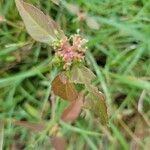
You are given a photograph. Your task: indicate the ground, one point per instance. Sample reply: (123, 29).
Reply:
(118, 34)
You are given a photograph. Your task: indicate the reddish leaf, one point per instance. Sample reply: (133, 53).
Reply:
(72, 112)
(61, 87)
(58, 143)
(96, 102)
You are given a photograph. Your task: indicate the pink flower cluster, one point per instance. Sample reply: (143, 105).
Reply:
(74, 52)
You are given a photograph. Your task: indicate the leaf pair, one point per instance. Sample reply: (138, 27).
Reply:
(41, 27)
(66, 90)
(94, 99)
(64, 87)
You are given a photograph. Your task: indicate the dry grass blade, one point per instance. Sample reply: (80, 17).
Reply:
(35, 127)
(56, 2)
(92, 23)
(1, 135)
(72, 8)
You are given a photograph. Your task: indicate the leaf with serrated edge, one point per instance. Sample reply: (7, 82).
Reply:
(41, 27)
(63, 88)
(95, 100)
(82, 75)
(72, 112)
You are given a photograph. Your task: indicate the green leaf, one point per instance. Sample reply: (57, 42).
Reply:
(95, 100)
(72, 112)
(41, 27)
(82, 75)
(63, 88)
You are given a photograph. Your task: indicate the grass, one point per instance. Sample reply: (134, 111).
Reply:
(118, 53)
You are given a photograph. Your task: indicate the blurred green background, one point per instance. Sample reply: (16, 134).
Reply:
(118, 52)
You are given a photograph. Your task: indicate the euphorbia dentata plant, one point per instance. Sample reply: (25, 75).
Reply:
(69, 55)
